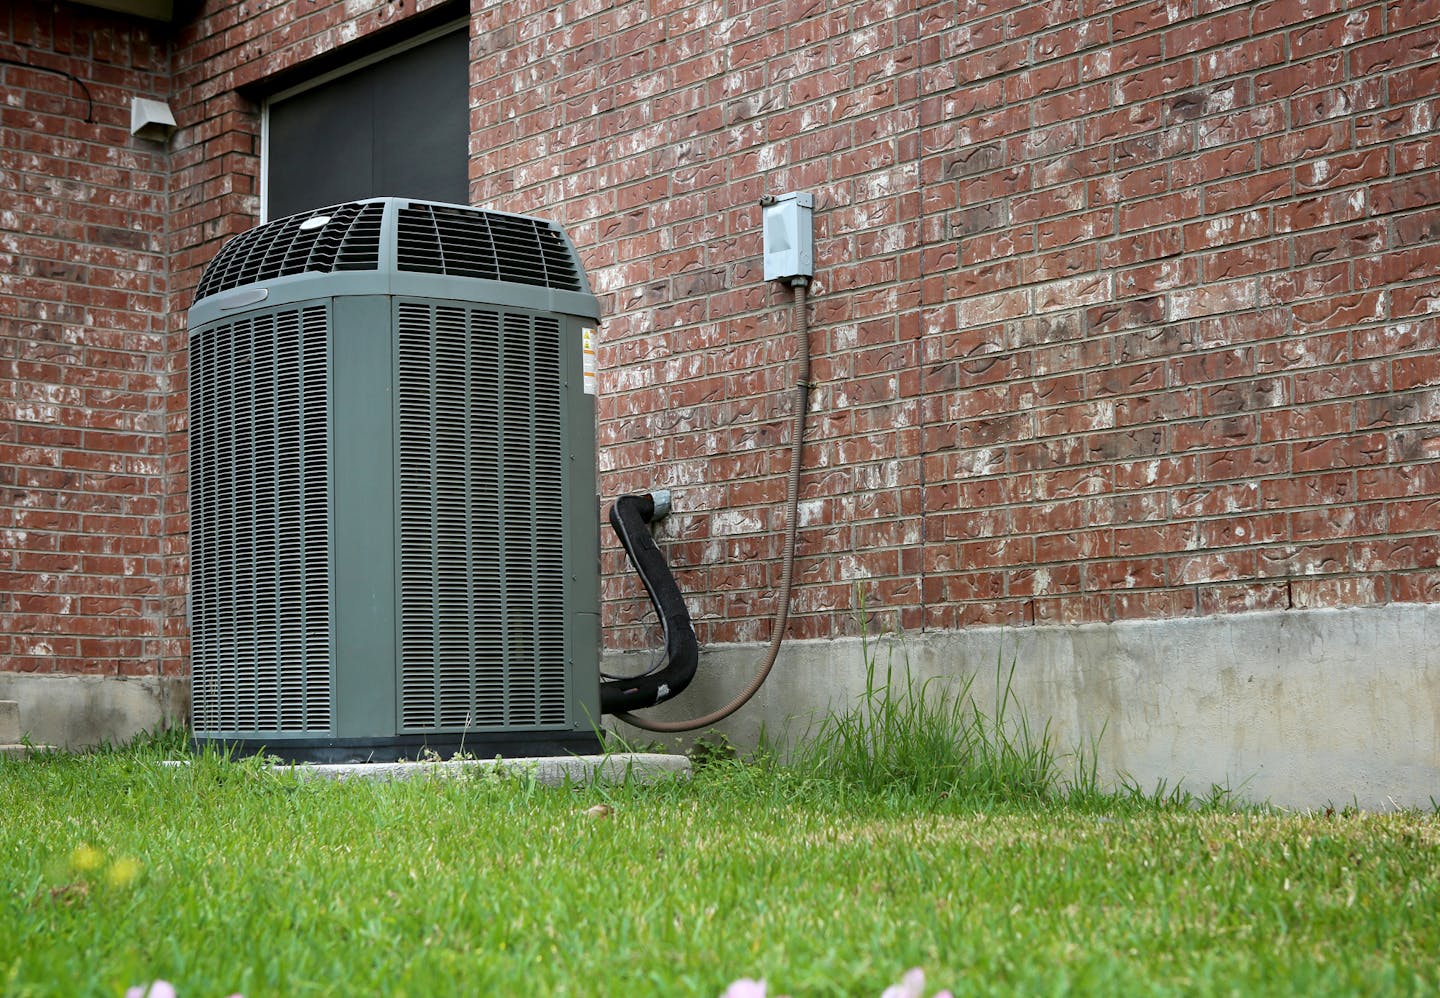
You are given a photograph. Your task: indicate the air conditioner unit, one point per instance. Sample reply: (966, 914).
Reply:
(393, 520)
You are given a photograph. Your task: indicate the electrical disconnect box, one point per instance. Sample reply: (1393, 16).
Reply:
(789, 243)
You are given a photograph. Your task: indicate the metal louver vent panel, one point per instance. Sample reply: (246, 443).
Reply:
(435, 239)
(260, 510)
(482, 567)
(349, 241)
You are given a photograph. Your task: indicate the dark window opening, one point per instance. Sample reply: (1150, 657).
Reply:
(399, 126)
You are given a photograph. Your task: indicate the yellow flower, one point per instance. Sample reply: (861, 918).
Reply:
(86, 858)
(122, 872)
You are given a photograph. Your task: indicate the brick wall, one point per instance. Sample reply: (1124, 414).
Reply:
(1122, 309)
(83, 216)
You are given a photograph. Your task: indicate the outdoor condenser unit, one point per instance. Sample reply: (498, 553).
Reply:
(393, 521)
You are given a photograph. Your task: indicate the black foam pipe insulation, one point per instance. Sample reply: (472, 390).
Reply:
(630, 517)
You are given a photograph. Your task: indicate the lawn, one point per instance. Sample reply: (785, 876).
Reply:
(223, 877)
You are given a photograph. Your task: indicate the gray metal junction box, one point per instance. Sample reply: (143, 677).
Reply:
(394, 534)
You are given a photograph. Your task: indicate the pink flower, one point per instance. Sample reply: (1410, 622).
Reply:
(743, 988)
(160, 989)
(912, 985)
(156, 989)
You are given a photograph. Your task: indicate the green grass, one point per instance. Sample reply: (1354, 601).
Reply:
(934, 738)
(222, 877)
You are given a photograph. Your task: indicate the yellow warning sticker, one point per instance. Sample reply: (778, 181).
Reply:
(587, 358)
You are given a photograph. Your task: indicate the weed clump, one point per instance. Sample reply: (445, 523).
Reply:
(933, 739)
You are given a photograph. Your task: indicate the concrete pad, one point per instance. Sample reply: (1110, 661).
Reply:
(642, 767)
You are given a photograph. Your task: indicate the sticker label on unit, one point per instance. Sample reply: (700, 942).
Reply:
(587, 358)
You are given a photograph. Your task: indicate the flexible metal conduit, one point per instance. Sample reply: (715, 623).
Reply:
(801, 325)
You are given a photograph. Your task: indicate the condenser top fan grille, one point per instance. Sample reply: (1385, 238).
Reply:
(435, 239)
(416, 237)
(347, 239)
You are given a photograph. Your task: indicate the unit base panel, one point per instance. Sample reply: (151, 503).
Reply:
(400, 748)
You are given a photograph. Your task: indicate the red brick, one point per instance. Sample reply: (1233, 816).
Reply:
(1345, 591)
(1416, 300)
(1146, 18)
(1134, 542)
